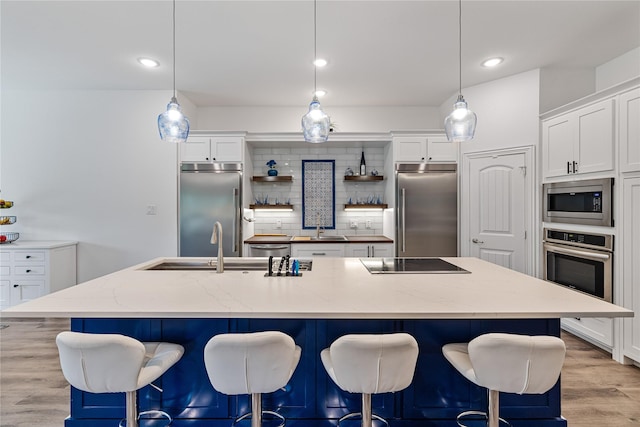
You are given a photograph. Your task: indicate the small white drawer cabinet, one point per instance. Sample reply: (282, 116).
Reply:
(30, 269)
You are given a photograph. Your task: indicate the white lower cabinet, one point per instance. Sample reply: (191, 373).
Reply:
(369, 250)
(310, 250)
(596, 330)
(32, 269)
(630, 266)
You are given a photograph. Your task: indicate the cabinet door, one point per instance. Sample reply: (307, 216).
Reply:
(595, 138)
(440, 149)
(557, 146)
(196, 149)
(630, 131)
(358, 250)
(26, 290)
(5, 294)
(226, 149)
(410, 148)
(630, 267)
(382, 250)
(596, 329)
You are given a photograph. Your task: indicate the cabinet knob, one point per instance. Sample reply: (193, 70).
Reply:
(28, 256)
(28, 271)
(15, 286)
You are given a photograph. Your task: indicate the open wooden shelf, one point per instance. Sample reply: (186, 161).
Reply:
(363, 178)
(366, 206)
(266, 207)
(277, 178)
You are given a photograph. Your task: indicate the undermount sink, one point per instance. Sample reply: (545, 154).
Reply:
(231, 264)
(330, 238)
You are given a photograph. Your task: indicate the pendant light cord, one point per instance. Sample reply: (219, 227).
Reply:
(460, 47)
(174, 48)
(315, 48)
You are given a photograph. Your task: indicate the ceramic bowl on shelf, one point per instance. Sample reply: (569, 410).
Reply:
(8, 237)
(7, 220)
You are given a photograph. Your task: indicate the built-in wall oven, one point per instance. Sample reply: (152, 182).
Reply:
(588, 202)
(580, 261)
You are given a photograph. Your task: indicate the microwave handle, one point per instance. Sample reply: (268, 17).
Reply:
(568, 251)
(568, 168)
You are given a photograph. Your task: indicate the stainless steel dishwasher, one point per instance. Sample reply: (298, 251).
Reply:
(269, 249)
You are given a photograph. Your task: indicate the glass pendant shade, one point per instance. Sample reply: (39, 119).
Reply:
(460, 125)
(315, 124)
(172, 124)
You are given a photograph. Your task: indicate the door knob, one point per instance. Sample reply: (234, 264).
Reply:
(477, 241)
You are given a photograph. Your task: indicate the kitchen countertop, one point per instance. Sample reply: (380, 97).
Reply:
(291, 239)
(37, 244)
(336, 288)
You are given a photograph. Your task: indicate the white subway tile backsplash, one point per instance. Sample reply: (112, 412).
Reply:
(289, 162)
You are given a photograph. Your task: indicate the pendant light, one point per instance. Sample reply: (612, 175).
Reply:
(315, 124)
(172, 124)
(460, 125)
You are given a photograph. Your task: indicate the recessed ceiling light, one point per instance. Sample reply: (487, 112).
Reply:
(492, 62)
(148, 62)
(320, 62)
(320, 93)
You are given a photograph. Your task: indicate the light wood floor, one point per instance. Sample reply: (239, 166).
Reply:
(596, 391)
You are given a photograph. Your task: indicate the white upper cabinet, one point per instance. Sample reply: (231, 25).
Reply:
(201, 148)
(630, 131)
(424, 148)
(580, 141)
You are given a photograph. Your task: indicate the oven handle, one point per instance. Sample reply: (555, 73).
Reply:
(583, 254)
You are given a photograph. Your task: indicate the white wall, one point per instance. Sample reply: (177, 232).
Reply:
(84, 165)
(559, 86)
(347, 119)
(507, 111)
(618, 70)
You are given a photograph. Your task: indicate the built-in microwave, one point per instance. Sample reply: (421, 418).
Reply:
(580, 261)
(588, 202)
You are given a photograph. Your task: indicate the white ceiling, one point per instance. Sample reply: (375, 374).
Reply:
(240, 52)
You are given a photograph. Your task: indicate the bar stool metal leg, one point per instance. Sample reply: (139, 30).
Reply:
(256, 408)
(367, 415)
(492, 415)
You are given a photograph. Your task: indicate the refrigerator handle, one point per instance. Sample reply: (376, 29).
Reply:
(236, 220)
(403, 204)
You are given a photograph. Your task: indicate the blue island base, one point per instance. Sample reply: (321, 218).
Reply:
(437, 394)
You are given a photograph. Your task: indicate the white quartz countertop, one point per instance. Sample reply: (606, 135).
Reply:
(37, 244)
(336, 288)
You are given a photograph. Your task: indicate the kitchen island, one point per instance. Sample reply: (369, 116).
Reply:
(338, 296)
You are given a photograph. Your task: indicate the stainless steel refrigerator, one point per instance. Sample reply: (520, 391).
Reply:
(209, 192)
(426, 210)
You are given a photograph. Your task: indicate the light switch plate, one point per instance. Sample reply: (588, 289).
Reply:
(354, 223)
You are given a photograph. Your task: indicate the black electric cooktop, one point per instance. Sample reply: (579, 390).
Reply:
(410, 265)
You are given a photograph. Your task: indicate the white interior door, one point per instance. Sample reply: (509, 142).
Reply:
(498, 208)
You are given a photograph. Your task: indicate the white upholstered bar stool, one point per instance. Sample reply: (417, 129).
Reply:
(113, 363)
(251, 363)
(371, 364)
(507, 363)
